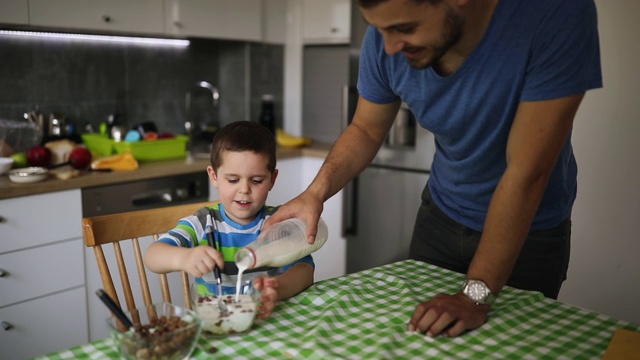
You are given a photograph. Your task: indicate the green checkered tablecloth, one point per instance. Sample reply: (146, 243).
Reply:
(364, 316)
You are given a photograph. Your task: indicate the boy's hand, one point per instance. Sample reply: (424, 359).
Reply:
(200, 260)
(268, 287)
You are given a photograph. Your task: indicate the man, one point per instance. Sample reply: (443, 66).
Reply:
(498, 83)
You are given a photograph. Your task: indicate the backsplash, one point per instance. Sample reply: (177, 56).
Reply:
(86, 82)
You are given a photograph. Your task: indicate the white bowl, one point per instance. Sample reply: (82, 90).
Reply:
(28, 174)
(5, 164)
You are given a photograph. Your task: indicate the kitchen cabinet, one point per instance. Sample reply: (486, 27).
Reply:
(223, 19)
(42, 282)
(326, 21)
(117, 16)
(14, 12)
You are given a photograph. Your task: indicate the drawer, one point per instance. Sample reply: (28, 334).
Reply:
(44, 325)
(41, 271)
(40, 219)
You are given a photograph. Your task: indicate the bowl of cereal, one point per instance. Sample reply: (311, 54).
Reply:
(160, 331)
(241, 307)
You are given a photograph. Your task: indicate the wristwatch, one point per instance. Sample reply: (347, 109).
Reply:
(478, 292)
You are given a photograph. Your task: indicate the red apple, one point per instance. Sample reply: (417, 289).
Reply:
(39, 156)
(80, 158)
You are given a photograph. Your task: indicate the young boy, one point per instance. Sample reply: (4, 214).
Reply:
(243, 169)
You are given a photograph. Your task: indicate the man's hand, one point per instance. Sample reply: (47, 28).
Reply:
(305, 207)
(449, 315)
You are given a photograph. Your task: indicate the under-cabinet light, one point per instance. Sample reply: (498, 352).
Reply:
(99, 38)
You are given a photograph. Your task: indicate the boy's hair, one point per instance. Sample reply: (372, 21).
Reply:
(244, 136)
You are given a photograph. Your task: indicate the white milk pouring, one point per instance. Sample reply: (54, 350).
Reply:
(282, 244)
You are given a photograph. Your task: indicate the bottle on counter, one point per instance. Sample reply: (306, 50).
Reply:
(267, 117)
(282, 244)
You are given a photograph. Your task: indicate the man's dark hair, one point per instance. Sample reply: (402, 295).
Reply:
(368, 4)
(244, 136)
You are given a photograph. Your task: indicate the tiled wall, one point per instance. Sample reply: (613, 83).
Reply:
(87, 81)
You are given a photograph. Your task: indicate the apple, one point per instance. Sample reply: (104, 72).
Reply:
(80, 158)
(20, 160)
(39, 156)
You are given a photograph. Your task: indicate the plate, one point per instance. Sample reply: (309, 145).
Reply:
(28, 175)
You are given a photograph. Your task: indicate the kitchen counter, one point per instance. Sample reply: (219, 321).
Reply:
(149, 170)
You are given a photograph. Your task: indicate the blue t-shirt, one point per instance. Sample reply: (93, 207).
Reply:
(532, 50)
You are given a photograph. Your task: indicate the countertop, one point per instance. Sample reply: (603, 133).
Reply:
(149, 170)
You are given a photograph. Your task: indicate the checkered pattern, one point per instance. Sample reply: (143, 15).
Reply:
(364, 316)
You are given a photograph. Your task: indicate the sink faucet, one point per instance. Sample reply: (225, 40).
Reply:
(215, 95)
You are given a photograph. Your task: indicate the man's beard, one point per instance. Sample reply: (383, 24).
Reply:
(452, 33)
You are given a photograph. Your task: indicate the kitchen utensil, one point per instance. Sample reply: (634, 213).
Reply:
(216, 270)
(115, 309)
(118, 132)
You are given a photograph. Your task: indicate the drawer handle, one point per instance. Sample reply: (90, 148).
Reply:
(3, 273)
(2, 219)
(6, 325)
(106, 18)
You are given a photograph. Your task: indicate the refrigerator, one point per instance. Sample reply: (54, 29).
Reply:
(381, 204)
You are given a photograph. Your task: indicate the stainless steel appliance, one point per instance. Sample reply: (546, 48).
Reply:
(382, 202)
(145, 194)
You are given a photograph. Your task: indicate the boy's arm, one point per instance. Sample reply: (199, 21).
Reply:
(162, 258)
(295, 280)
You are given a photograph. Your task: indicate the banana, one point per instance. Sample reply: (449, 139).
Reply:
(286, 140)
(121, 162)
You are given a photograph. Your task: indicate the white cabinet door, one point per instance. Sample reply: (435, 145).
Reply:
(44, 325)
(42, 270)
(37, 220)
(140, 16)
(326, 21)
(222, 19)
(14, 12)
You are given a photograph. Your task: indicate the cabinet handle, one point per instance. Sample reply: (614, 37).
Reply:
(3, 273)
(106, 18)
(2, 219)
(334, 30)
(177, 24)
(6, 325)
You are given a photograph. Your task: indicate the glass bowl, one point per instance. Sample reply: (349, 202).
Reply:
(240, 315)
(161, 331)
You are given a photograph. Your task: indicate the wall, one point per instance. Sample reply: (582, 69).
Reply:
(88, 81)
(604, 270)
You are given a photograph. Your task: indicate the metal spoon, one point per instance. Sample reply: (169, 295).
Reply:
(216, 270)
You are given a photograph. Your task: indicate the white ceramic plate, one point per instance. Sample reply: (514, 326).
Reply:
(28, 175)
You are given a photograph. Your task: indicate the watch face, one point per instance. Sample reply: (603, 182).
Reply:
(477, 292)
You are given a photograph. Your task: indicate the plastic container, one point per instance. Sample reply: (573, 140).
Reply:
(101, 145)
(282, 244)
(161, 149)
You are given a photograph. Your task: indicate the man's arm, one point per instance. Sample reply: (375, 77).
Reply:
(538, 133)
(352, 152)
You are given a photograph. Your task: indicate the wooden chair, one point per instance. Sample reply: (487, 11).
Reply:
(119, 229)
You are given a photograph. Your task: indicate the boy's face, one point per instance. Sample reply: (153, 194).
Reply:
(243, 182)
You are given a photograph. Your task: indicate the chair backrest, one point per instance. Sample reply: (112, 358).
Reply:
(128, 227)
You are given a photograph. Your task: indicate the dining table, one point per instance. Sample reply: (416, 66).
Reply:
(364, 315)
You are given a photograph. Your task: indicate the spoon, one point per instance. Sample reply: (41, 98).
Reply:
(115, 309)
(216, 270)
